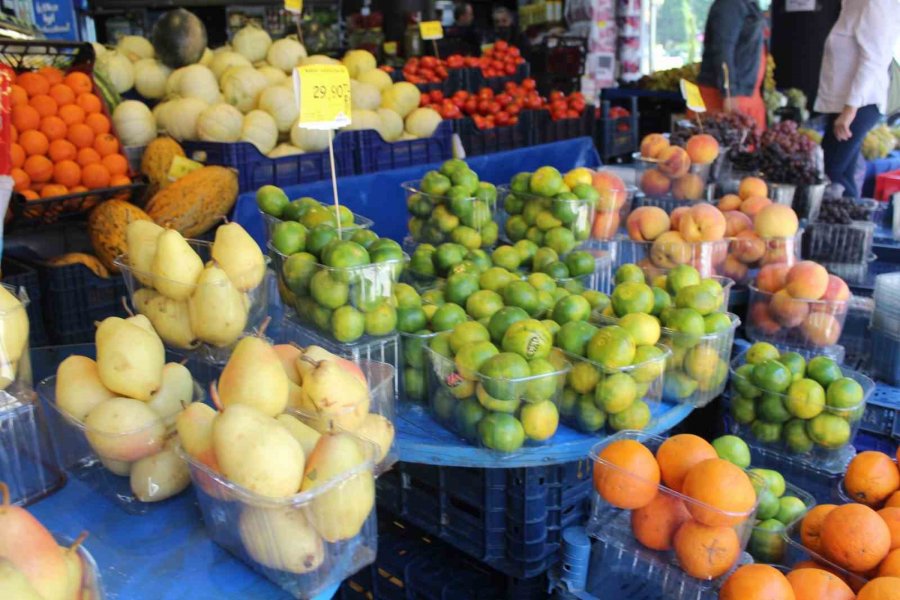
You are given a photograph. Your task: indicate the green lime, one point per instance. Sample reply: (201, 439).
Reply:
(795, 362)
(467, 414)
(574, 336)
(516, 228)
(632, 297)
(568, 210)
(542, 282)
(697, 297)
(567, 401)
(528, 338)
(742, 382)
(460, 286)
(435, 183)
(636, 416)
(298, 271)
(466, 179)
(791, 508)
(421, 263)
(585, 191)
(545, 221)
(588, 417)
(503, 374)
(771, 376)
(681, 277)
(677, 386)
(483, 304)
(289, 237)
(520, 183)
(583, 377)
(414, 348)
(542, 383)
(468, 332)
(844, 393)
(364, 237)
(347, 324)
(480, 219)
(571, 308)
(824, 370)
(629, 272)
(761, 351)
(271, 200)
(414, 383)
(328, 291)
(716, 322)
(433, 296)
(487, 193)
(597, 300)
(661, 300)
(343, 215)
(542, 257)
(546, 181)
(513, 204)
(733, 449)
(767, 543)
(381, 320)
(643, 328)
(768, 433)
(540, 420)
(446, 317)
(795, 436)
(497, 405)
(557, 270)
(466, 236)
(561, 240)
(526, 250)
(743, 410)
(507, 257)
(443, 405)
(772, 409)
(828, 430)
(612, 347)
(523, 295)
(649, 363)
(616, 393)
(805, 398)
(446, 256)
(470, 357)
(406, 296)
(453, 165)
(502, 319)
(440, 343)
(774, 481)
(580, 263)
(318, 215)
(411, 320)
(768, 504)
(502, 432)
(321, 316)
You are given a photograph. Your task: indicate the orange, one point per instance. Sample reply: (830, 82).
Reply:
(757, 582)
(44, 104)
(54, 189)
(25, 117)
(89, 102)
(628, 476)
(891, 516)
(21, 180)
(62, 150)
(881, 588)
(706, 552)
(33, 83)
(13, 133)
(116, 164)
(678, 454)
(17, 154)
(81, 135)
(119, 180)
(871, 477)
(34, 142)
(818, 584)
(67, 172)
(98, 122)
(17, 95)
(39, 168)
(30, 194)
(811, 527)
(106, 144)
(723, 492)
(51, 74)
(87, 156)
(78, 189)
(95, 176)
(79, 82)
(71, 114)
(893, 500)
(62, 93)
(54, 128)
(854, 537)
(890, 566)
(655, 525)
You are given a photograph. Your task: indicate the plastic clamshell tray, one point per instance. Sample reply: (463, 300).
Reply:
(359, 223)
(782, 320)
(667, 252)
(468, 220)
(548, 214)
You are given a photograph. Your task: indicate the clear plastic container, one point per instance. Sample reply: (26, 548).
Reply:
(528, 216)
(767, 546)
(304, 543)
(621, 389)
(611, 212)
(91, 583)
(516, 406)
(844, 497)
(821, 436)
(359, 222)
(795, 552)
(171, 318)
(15, 354)
(669, 251)
(107, 462)
(746, 255)
(782, 193)
(347, 303)
(780, 319)
(437, 219)
(727, 284)
(655, 182)
(839, 243)
(612, 524)
(413, 378)
(885, 357)
(28, 463)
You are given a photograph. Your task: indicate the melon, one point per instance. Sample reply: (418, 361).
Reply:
(422, 122)
(376, 77)
(402, 97)
(364, 119)
(179, 38)
(391, 125)
(309, 140)
(364, 96)
(358, 62)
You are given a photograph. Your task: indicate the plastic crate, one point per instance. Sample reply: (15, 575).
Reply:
(19, 274)
(547, 130)
(885, 360)
(882, 416)
(477, 141)
(616, 136)
(510, 519)
(373, 154)
(839, 243)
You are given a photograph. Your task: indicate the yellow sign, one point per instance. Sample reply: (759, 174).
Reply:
(323, 96)
(692, 97)
(181, 166)
(390, 48)
(431, 30)
(294, 6)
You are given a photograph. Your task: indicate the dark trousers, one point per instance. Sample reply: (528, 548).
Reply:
(840, 157)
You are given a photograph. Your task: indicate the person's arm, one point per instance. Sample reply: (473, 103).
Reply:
(727, 19)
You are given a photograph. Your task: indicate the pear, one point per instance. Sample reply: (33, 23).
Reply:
(169, 317)
(254, 376)
(13, 336)
(175, 392)
(129, 358)
(336, 396)
(256, 452)
(281, 538)
(29, 547)
(318, 353)
(14, 584)
(288, 354)
(239, 255)
(303, 433)
(117, 467)
(143, 322)
(78, 387)
(141, 238)
(76, 571)
(175, 267)
(195, 431)
(217, 312)
(124, 429)
(160, 476)
(378, 430)
(339, 512)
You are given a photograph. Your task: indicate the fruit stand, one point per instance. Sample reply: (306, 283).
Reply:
(442, 352)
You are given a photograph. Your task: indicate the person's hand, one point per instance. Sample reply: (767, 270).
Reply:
(729, 105)
(842, 123)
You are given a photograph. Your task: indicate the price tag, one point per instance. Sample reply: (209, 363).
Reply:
(181, 166)
(431, 30)
(692, 97)
(323, 96)
(390, 48)
(294, 6)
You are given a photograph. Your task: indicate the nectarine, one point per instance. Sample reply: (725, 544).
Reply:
(735, 269)
(689, 187)
(674, 162)
(747, 247)
(729, 202)
(837, 290)
(807, 280)
(702, 148)
(653, 144)
(821, 329)
(752, 186)
(760, 319)
(654, 183)
(786, 310)
(670, 250)
(754, 204)
(736, 222)
(676, 216)
(647, 223)
(605, 225)
(702, 223)
(611, 188)
(776, 221)
(772, 278)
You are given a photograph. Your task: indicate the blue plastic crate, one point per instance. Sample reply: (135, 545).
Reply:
(74, 299)
(19, 274)
(547, 130)
(885, 357)
(617, 136)
(510, 519)
(373, 154)
(882, 416)
(255, 169)
(477, 141)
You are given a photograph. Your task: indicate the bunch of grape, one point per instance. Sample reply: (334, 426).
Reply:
(781, 153)
(731, 130)
(842, 211)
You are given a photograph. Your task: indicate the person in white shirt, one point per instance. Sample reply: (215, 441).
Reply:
(854, 81)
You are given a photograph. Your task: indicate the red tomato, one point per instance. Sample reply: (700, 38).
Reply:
(509, 69)
(577, 106)
(471, 106)
(510, 87)
(529, 84)
(504, 98)
(436, 95)
(501, 45)
(450, 111)
(557, 95)
(502, 118)
(572, 114)
(533, 102)
(513, 51)
(485, 93)
(441, 72)
(513, 109)
(514, 120)
(484, 107)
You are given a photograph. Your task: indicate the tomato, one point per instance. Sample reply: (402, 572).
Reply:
(485, 93)
(514, 120)
(441, 72)
(484, 107)
(479, 121)
(513, 51)
(455, 61)
(557, 95)
(501, 45)
(436, 95)
(533, 102)
(503, 98)
(471, 106)
(493, 108)
(510, 87)
(502, 118)
(513, 109)
(429, 62)
(577, 106)
(450, 111)
(509, 69)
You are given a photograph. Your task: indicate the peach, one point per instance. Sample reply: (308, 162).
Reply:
(653, 144)
(760, 319)
(605, 225)
(702, 148)
(821, 329)
(747, 247)
(776, 221)
(754, 204)
(807, 280)
(780, 250)
(654, 183)
(670, 250)
(611, 189)
(772, 278)
(736, 222)
(689, 187)
(702, 223)
(788, 311)
(752, 186)
(677, 215)
(735, 269)
(729, 202)
(836, 290)
(674, 162)
(647, 223)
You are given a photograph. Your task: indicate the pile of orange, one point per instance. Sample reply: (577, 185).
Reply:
(61, 140)
(764, 582)
(704, 533)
